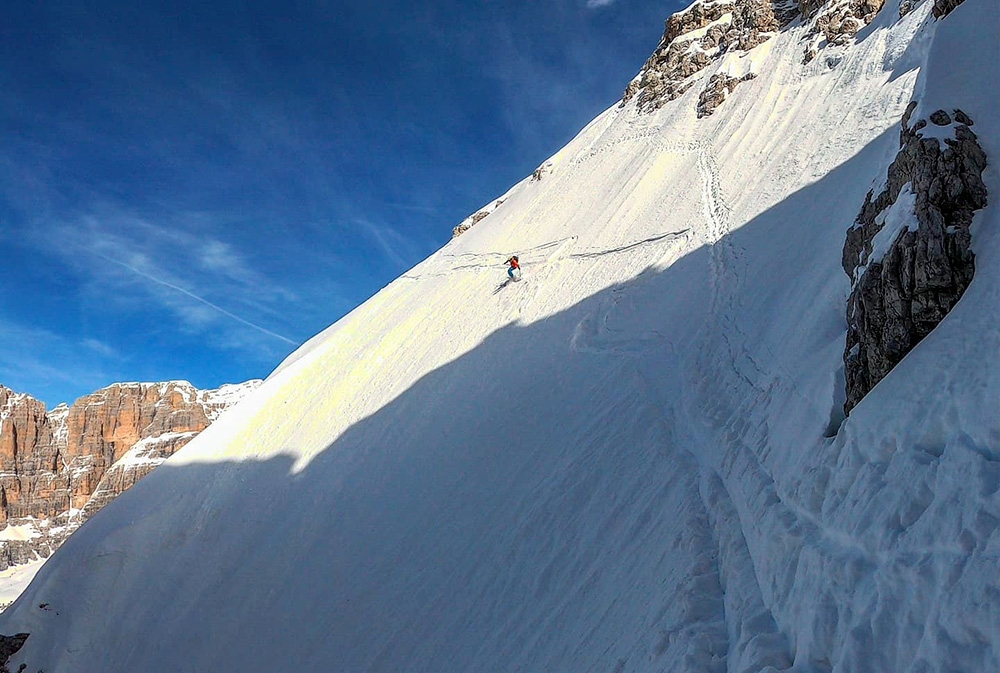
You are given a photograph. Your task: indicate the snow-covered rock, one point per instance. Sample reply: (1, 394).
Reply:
(837, 23)
(909, 252)
(720, 85)
(475, 218)
(699, 36)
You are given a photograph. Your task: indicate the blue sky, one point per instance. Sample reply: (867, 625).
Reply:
(190, 190)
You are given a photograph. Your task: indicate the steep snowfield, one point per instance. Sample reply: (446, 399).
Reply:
(14, 579)
(633, 460)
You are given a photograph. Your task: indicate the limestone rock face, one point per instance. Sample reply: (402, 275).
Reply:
(697, 37)
(10, 645)
(59, 468)
(943, 8)
(30, 444)
(541, 171)
(837, 22)
(907, 6)
(909, 252)
(476, 218)
(701, 35)
(756, 21)
(719, 87)
(690, 43)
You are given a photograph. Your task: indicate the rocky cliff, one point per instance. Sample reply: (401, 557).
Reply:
(58, 468)
(475, 218)
(696, 38)
(909, 252)
(702, 35)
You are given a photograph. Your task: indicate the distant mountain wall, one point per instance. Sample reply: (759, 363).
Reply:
(59, 467)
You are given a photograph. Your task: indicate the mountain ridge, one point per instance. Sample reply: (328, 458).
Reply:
(59, 467)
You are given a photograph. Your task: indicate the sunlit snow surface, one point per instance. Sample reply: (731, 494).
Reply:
(633, 459)
(14, 579)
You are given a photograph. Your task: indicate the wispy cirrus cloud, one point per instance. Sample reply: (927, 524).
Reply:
(201, 300)
(100, 348)
(396, 247)
(412, 207)
(204, 282)
(594, 4)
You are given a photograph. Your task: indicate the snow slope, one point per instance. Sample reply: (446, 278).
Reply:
(633, 460)
(14, 579)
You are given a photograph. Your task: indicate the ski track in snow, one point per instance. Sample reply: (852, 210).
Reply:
(594, 334)
(727, 391)
(538, 256)
(738, 618)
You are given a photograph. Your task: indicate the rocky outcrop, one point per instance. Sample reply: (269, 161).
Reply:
(689, 44)
(906, 6)
(837, 22)
(697, 37)
(541, 171)
(468, 223)
(756, 21)
(702, 34)
(719, 87)
(943, 8)
(58, 468)
(909, 252)
(475, 218)
(9, 646)
(31, 444)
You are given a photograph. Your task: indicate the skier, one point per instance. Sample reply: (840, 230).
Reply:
(514, 270)
(513, 273)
